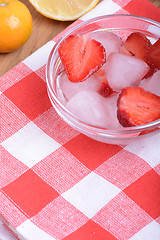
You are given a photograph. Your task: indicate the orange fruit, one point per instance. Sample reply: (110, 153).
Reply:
(15, 25)
(63, 10)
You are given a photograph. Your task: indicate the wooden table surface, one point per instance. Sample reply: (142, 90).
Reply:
(44, 29)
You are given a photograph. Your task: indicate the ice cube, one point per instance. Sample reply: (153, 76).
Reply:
(152, 84)
(89, 106)
(110, 41)
(69, 89)
(111, 108)
(144, 83)
(92, 108)
(124, 71)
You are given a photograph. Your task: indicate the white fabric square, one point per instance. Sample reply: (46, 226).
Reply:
(30, 231)
(103, 8)
(91, 194)
(149, 232)
(39, 58)
(30, 145)
(147, 149)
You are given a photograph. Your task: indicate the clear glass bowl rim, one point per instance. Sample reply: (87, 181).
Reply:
(98, 129)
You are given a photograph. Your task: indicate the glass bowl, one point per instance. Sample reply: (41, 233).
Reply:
(122, 24)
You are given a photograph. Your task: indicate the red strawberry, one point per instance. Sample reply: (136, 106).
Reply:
(154, 54)
(137, 106)
(105, 90)
(137, 44)
(151, 71)
(81, 57)
(149, 131)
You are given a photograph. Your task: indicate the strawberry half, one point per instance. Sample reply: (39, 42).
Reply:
(105, 90)
(137, 44)
(81, 57)
(137, 106)
(154, 54)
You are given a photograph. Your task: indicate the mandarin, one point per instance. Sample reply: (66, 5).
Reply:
(15, 25)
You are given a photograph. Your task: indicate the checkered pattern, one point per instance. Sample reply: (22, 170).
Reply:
(56, 183)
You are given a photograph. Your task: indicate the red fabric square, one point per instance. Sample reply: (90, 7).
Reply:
(90, 152)
(30, 95)
(61, 170)
(10, 168)
(144, 9)
(14, 75)
(55, 127)
(146, 193)
(122, 217)
(12, 119)
(90, 230)
(59, 218)
(123, 169)
(10, 212)
(30, 193)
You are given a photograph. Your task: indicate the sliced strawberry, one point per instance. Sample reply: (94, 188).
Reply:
(137, 106)
(81, 57)
(154, 54)
(151, 71)
(137, 44)
(149, 131)
(105, 90)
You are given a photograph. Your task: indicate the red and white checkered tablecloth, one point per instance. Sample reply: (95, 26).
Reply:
(56, 183)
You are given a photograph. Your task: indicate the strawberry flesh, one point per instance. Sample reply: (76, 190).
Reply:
(137, 44)
(154, 54)
(105, 90)
(81, 57)
(151, 71)
(137, 106)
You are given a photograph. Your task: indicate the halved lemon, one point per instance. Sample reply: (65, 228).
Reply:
(63, 10)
